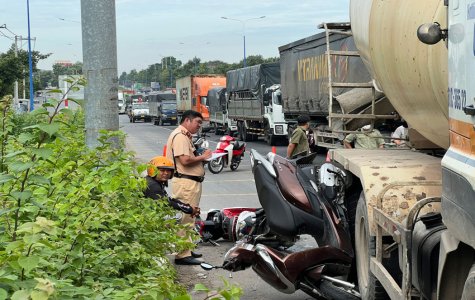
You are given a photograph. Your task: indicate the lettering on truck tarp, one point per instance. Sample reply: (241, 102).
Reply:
(316, 67)
(457, 98)
(312, 68)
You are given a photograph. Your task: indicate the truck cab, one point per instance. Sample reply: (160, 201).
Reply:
(167, 113)
(273, 112)
(139, 111)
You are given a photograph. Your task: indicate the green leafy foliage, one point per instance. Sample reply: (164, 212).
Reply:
(73, 221)
(227, 292)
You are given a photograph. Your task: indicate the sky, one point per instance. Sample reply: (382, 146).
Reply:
(148, 30)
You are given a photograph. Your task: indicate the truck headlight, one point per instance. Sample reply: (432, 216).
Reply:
(279, 129)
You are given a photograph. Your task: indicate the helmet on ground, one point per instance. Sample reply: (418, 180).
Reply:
(159, 162)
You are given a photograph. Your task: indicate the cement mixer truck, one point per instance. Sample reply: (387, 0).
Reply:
(414, 213)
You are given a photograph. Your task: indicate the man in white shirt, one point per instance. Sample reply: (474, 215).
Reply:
(400, 135)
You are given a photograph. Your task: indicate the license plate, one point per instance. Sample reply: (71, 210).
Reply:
(143, 116)
(173, 118)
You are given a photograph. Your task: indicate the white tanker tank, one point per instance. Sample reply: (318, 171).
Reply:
(411, 74)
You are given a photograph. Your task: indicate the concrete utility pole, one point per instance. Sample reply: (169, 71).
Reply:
(15, 93)
(99, 46)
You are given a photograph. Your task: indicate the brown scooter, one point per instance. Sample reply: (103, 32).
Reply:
(300, 198)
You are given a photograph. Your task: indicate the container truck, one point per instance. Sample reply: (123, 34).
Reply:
(255, 102)
(322, 86)
(191, 93)
(159, 112)
(414, 213)
(218, 112)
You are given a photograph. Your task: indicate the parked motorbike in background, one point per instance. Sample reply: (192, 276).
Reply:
(298, 197)
(231, 152)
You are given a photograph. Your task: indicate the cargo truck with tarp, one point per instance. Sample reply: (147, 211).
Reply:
(255, 102)
(324, 77)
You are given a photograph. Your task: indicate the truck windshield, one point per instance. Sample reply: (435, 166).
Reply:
(139, 105)
(137, 98)
(168, 106)
(278, 99)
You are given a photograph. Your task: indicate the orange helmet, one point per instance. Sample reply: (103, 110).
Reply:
(159, 162)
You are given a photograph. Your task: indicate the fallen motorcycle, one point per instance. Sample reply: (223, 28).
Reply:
(238, 224)
(298, 198)
(230, 153)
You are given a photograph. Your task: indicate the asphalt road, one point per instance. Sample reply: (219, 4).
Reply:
(226, 189)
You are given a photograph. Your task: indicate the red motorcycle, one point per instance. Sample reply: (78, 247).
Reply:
(230, 153)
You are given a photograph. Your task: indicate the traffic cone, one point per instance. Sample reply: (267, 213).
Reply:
(165, 150)
(273, 149)
(328, 159)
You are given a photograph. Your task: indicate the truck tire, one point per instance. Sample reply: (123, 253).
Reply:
(245, 136)
(240, 126)
(365, 245)
(268, 136)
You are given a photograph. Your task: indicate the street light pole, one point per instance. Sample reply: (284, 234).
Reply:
(30, 60)
(243, 22)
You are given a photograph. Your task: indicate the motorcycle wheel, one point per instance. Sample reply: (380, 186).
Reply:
(216, 165)
(365, 246)
(235, 164)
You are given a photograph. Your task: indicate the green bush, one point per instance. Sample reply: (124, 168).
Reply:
(73, 221)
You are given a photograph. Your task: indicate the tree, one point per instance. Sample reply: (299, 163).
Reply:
(14, 68)
(170, 69)
(45, 78)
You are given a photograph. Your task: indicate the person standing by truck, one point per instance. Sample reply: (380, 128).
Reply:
(399, 136)
(298, 144)
(189, 172)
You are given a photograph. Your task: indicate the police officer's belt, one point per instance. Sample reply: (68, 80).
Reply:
(195, 178)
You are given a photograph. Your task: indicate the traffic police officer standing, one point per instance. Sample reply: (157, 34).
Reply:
(189, 173)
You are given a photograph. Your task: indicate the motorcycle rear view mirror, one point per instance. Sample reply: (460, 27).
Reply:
(209, 267)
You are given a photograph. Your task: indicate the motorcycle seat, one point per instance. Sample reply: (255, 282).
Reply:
(290, 186)
(238, 146)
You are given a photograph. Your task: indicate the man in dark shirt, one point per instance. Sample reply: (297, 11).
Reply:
(158, 174)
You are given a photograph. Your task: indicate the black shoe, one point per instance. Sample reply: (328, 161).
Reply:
(196, 254)
(189, 260)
